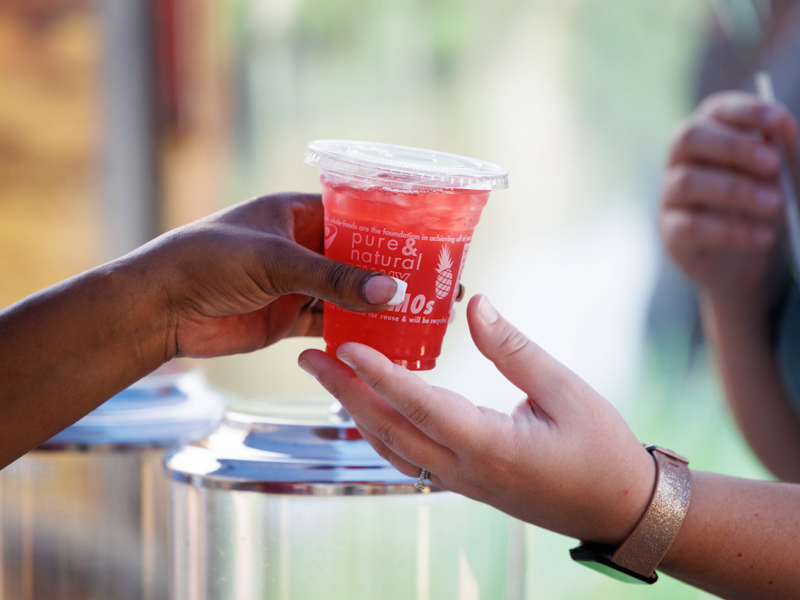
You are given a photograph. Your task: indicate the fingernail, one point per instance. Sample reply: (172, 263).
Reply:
(384, 290)
(766, 158)
(767, 197)
(487, 312)
(763, 236)
(346, 359)
(306, 366)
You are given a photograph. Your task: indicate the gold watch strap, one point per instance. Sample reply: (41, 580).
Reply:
(650, 540)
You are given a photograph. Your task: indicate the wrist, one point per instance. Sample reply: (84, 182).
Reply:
(636, 494)
(637, 557)
(149, 314)
(734, 305)
(754, 299)
(728, 318)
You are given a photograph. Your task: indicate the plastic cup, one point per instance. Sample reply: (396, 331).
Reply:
(408, 213)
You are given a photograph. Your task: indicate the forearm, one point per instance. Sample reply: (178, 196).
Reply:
(70, 347)
(739, 539)
(749, 369)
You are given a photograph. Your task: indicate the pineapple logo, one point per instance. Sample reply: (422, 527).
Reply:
(444, 281)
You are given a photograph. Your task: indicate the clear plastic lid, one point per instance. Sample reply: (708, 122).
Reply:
(379, 164)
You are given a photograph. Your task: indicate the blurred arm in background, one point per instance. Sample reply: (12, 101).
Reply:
(743, 37)
(236, 281)
(721, 220)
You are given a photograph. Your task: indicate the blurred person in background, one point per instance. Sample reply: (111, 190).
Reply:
(722, 222)
(565, 459)
(744, 37)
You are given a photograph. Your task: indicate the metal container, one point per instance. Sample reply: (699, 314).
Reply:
(299, 506)
(86, 515)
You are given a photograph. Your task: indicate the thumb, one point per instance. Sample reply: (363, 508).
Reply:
(546, 381)
(293, 269)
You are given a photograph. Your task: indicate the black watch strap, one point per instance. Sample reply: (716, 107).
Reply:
(598, 558)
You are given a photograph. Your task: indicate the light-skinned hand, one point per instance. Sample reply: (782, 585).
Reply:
(564, 459)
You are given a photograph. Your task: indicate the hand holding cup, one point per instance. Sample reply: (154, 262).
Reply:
(564, 459)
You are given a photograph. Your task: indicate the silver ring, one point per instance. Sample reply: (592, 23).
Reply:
(424, 474)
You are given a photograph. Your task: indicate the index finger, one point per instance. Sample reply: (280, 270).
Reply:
(748, 111)
(444, 416)
(376, 416)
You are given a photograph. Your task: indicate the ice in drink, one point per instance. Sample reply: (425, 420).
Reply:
(407, 213)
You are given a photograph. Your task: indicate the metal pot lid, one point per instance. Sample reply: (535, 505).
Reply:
(169, 406)
(295, 446)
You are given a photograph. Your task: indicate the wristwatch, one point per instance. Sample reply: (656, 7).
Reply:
(635, 561)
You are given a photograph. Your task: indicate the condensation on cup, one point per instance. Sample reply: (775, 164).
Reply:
(408, 213)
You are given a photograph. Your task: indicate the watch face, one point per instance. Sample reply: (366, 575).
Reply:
(598, 558)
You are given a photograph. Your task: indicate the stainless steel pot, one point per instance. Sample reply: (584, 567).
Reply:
(294, 504)
(86, 515)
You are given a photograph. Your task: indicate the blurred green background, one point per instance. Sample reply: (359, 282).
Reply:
(577, 98)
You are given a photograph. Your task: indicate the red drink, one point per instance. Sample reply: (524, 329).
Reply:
(420, 237)
(400, 223)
